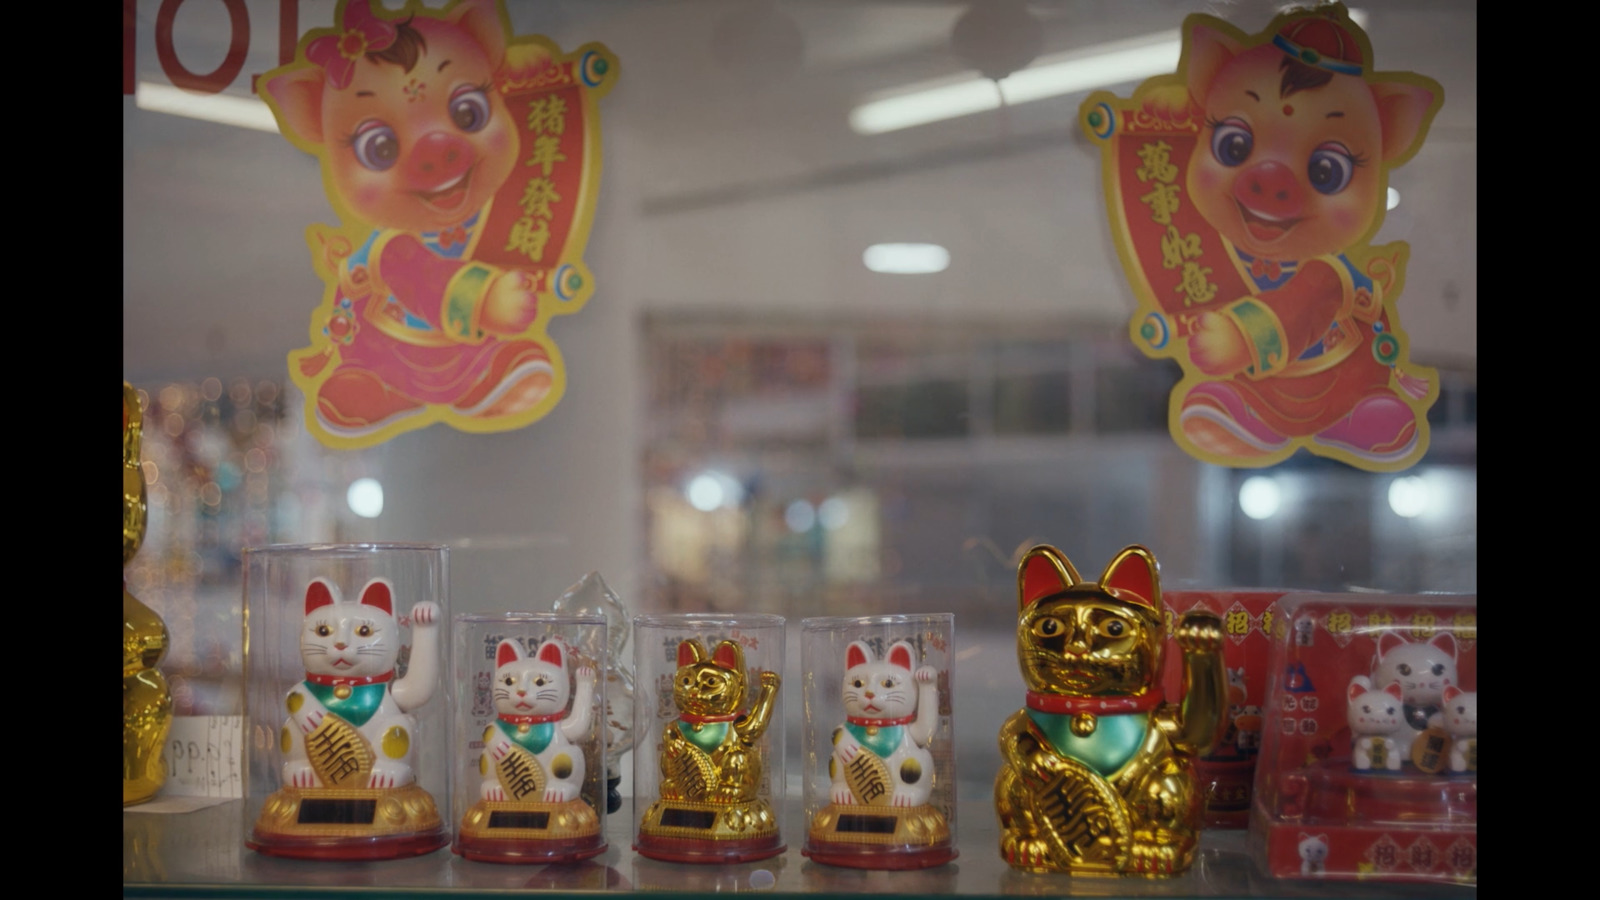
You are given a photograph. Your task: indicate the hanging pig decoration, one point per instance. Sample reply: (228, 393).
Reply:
(1242, 193)
(464, 166)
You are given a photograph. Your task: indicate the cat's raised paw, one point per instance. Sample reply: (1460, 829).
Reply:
(424, 613)
(1200, 630)
(927, 675)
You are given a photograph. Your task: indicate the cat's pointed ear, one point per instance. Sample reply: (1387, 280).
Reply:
(320, 592)
(553, 653)
(690, 652)
(1445, 641)
(1394, 690)
(1356, 689)
(729, 656)
(379, 593)
(1451, 692)
(858, 654)
(508, 652)
(1042, 572)
(901, 655)
(1388, 641)
(1134, 577)
(1304, 836)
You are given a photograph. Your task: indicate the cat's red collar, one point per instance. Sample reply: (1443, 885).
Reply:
(344, 679)
(531, 720)
(693, 719)
(880, 723)
(1100, 706)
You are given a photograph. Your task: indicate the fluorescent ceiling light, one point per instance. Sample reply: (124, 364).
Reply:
(1072, 72)
(906, 259)
(245, 112)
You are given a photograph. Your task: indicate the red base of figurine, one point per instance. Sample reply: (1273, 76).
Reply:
(867, 856)
(546, 851)
(1227, 785)
(693, 850)
(396, 846)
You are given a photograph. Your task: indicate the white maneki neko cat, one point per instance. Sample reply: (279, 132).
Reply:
(530, 702)
(349, 649)
(891, 714)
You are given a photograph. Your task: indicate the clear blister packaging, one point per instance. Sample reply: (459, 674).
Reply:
(347, 755)
(1368, 766)
(529, 737)
(708, 776)
(878, 743)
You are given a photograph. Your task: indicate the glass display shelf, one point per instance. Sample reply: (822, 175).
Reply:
(202, 854)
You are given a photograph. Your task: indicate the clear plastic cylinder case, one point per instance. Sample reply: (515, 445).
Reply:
(708, 776)
(345, 699)
(878, 747)
(529, 737)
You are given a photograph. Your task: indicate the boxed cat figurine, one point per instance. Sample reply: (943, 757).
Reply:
(1369, 764)
(1227, 772)
(530, 734)
(344, 693)
(878, 755)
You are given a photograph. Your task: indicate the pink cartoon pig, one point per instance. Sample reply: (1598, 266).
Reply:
(1290, 174)
(415, 142)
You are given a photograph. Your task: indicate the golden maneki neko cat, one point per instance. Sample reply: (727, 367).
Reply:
(146, 699)
(1097, 774)
(710, 809)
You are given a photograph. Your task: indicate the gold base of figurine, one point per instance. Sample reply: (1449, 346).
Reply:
(346, 812)
(529, 820)
(899, 826)
(709, 821)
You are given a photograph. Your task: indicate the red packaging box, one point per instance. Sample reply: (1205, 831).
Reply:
(1228, 772)
(1368, 764)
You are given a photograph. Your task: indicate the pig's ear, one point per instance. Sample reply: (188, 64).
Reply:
(298, 98)
(481, 19)
(1209, 50)
(1403, 111)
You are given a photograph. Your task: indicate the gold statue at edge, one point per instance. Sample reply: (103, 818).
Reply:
(1097, 773)
(146, 700)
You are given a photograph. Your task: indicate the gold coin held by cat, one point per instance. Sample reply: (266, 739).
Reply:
(1083, 724)
(396, 742)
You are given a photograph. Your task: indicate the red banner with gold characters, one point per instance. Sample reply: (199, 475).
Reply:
(1243, 191)
(464, 164)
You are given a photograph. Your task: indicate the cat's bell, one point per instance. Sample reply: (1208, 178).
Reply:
(523, 728)
(342, 691)
(1084, 724)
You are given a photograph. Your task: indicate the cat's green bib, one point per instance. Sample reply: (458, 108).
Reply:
(883, 743)
(534, 740)
(362, 702)
(1115, 739)
(707, 738)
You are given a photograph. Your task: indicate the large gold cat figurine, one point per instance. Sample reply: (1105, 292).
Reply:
(1097, 773)
(711, 761)
(146, 700)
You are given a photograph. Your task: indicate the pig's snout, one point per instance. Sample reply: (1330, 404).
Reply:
(1270, 188)
(439, 157)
